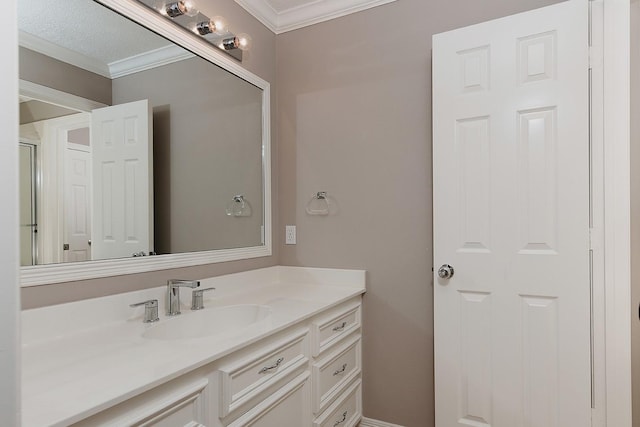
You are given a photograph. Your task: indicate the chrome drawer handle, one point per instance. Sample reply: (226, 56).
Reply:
(340, 328)
(344, 418)
(340, 371)
(274, 366)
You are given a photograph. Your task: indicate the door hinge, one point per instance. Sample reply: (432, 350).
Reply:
(595, 57)
(595, 240)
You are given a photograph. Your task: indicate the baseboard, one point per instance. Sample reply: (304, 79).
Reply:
(368, 422)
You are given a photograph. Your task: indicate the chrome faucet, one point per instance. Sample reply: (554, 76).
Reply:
(173, 294)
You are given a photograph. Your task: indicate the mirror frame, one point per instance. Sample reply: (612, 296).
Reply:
(67, 272)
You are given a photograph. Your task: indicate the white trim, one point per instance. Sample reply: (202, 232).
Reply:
(145, 61)
(10, 366)
(57, 97)
(148, 60)
(617, 212)
(369, 422)
(599, 398)
(57, 273)
(305, 15)
(45, 47)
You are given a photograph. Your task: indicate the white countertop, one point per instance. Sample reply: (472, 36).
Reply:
(83, 357)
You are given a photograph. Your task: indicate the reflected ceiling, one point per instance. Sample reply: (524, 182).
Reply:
(104, 37)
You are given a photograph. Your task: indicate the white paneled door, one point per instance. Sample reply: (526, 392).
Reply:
(122, 150)
(511, 218)
(77, 203)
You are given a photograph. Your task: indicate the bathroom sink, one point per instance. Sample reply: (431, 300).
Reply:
(223, 321)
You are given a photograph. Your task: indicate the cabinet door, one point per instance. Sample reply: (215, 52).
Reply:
(289, 406)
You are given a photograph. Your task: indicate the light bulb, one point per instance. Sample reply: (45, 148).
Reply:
(220, 24)
(243, 41)
(160, 6)
(190, 8)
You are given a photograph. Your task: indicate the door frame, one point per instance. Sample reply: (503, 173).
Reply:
(9, 249)
(34, 147)
(615, 205)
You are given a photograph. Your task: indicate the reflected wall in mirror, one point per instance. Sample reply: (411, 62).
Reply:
(130, 144)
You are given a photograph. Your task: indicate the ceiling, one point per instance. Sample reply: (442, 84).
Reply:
(285, 15)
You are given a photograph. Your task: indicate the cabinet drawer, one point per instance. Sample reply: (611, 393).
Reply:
(328, 330)
(334, 372)
(285, 407)
(246, 378)
(179, 403)
(346, 412)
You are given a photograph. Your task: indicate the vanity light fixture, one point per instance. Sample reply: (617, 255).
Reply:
(241, 41)
(234, 45)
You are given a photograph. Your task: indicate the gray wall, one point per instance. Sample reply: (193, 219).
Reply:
(46, 71)
(207, 146)
(261, 61)
(354, 119)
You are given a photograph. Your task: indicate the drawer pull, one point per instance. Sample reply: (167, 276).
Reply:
(272, 367)
(341, 370)
(340, 328)
(344, 418)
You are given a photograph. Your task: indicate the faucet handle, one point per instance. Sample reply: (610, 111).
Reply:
(197, 300)
(150, 310)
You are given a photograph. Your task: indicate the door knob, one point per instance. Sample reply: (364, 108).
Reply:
(445, 271)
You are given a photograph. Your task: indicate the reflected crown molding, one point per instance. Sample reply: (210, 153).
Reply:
(45, 47)
(148, 60)
(123, 67)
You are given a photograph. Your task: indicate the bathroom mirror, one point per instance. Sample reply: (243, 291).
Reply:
(204, 194)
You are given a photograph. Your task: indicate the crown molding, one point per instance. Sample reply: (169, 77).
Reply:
(148, 60)
(305, 15)
(63, 54)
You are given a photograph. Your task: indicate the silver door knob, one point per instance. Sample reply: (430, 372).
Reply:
(445, 272)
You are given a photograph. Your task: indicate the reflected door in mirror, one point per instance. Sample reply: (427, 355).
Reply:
(123, 192)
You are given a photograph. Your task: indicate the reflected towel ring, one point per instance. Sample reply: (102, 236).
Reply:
(238, 206)
(319, 204)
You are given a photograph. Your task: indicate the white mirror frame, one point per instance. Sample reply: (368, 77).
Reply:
(57, 273)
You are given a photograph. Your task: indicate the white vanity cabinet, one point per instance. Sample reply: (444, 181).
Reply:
(305, 375)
